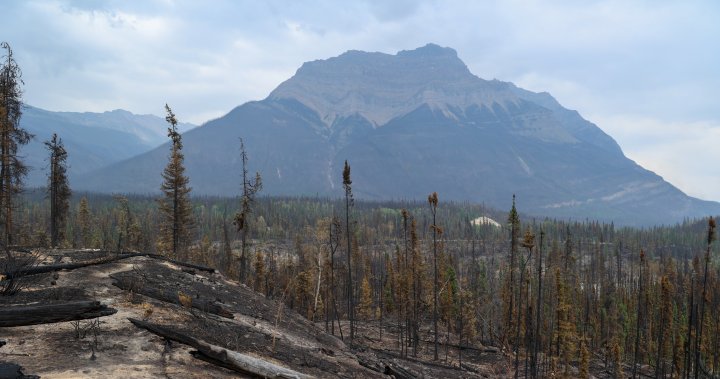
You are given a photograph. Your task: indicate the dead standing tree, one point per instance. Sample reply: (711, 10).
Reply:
(250, 187)
(347, 185)
(529, 244)
(433, 201)
(514, 223)
(333, 243)
(538, 312)
(703, 297)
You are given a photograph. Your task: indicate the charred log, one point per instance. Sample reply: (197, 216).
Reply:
(50, 313)
(220, 356)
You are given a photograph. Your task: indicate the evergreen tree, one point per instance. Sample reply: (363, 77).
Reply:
(124, 223)
(84, 222)
(365, 308)
(175, 208)
(12, 136)
(58, 189)
(514, 223)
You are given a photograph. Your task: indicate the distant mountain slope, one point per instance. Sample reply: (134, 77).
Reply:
(93, 140)
(409, 124)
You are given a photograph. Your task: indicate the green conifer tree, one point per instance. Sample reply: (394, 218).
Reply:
(84, 222)
(12, 136)
(175, 208)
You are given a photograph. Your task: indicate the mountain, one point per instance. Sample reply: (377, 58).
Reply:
(409, 124)
(93, 140)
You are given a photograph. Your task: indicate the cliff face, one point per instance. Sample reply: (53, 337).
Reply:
(381, 87)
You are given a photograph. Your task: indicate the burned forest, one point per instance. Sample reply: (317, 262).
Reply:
(180, 283)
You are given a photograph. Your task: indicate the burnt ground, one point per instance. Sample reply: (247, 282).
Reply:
(260, 327)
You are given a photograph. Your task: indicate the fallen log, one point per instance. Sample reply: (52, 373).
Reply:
(398, 372)
(182, 264)
(209, 306)
(467, 367)
(20, 249)
(198, 355)
(411, 359)
(222, 357)
(485, 349)
(371, 366)
(34, 270)
(178, 263)
(50, 313)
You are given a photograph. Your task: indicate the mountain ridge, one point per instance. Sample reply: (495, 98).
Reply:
(93, 140)
(409, 124)
(429, 72)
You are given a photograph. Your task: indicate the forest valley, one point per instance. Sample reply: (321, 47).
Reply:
(415, 280)
(635, 301)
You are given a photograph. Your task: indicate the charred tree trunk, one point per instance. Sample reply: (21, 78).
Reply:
(50, 313)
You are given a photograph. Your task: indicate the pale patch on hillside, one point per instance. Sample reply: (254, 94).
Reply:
(483, 220)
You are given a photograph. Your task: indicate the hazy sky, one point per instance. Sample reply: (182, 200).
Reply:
(647, 72)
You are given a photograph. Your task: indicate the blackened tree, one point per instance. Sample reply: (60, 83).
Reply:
(347, 185)
(433, 201)
(250, 187)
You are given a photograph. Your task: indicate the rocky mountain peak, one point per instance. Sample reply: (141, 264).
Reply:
(380, 87)
(430, 50)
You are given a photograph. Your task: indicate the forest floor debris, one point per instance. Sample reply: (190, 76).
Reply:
(241, 321)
